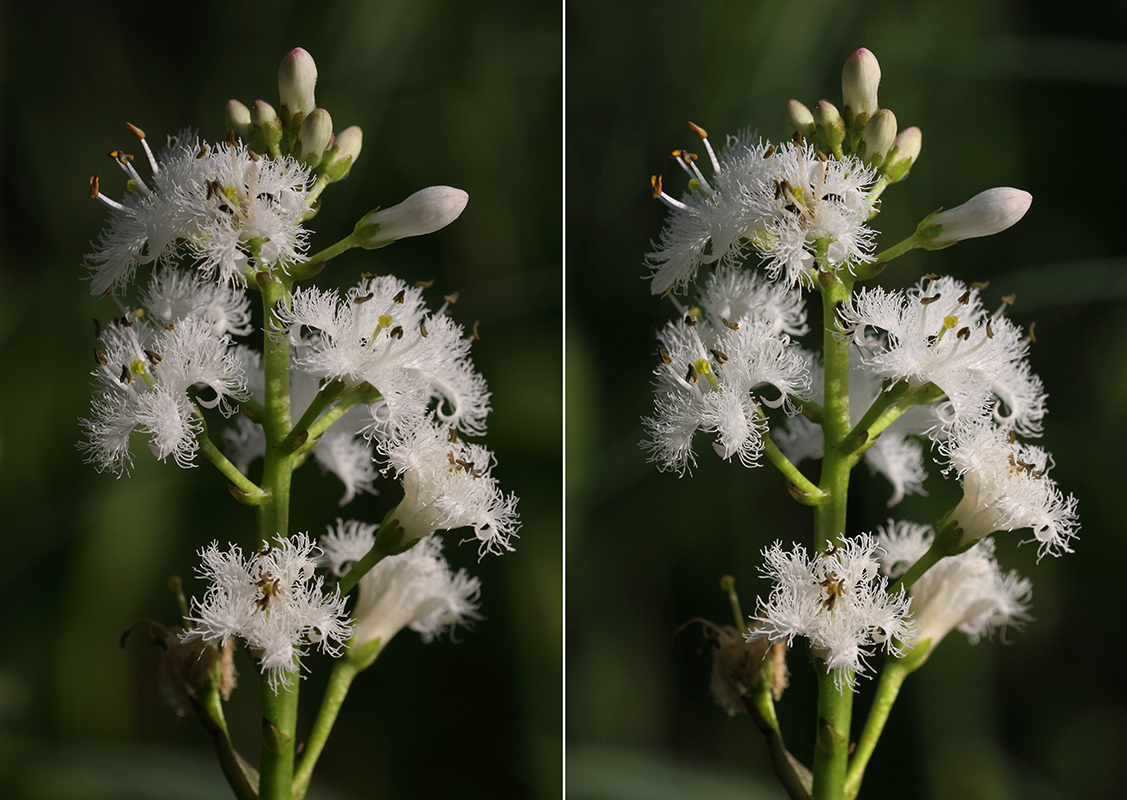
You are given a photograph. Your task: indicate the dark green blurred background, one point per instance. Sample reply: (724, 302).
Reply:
(446, 92)
(1007, 93)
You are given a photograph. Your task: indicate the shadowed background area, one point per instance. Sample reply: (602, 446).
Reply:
(1007, 94)
(446, 94)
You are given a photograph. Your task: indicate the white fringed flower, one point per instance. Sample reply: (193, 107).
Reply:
(837, 601)
(272, 600)
(968, 591)
(222, 204)
(1006, 487)
(145, 374)
(416, 589)
(447, 484)
(173, 295)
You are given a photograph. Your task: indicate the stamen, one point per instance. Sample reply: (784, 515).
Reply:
(451, 298)
(424, 284)
(452, 436)
(927, 301)
(101, 359)
(97, 329)
(980, 285)
(362, 300)
(203, 151)
(665, 359)
(126, 376)
(699, 131)
(1029, 336)
(474, 334)
(154, 357)
(931, 276)
(125, 321)
(964, 298)
(140, 134)
(397, 332)
(399, 297)
(691, 375)
(770, 151)
(168, 326)
(964, 333)
(367, 276)
(733, 326)
(689, 320)
(423, 328)
(721, 358)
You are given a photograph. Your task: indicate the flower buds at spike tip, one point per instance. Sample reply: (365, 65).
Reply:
(799, 119)
(829, 126)
(859, 81)
(342, 153)
(426, 211)
(904, 153)
(265, 127)
(984, 214)
(878, 137)
(316, 133)
(236, 118)
(297, 76)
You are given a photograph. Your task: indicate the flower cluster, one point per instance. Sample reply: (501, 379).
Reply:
(271, 599)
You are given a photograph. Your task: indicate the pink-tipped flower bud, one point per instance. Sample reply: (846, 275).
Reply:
(904, 153)
(316, 133)
(236, 118)
(984, 214)
(859, 81)
(878, 137)
(426, 211)
(297, 76)
(799, 118)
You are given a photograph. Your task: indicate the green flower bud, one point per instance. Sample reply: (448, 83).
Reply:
(297, 76)
(342, 153)
(905, 150)
(859, 81)
(829, 126)
(236, 117)
(878, 137)
(265, 127)
(799, 119)
(316, 133)
(426, 211)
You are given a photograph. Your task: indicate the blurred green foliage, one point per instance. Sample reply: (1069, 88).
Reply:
(446, 93)
(1025, 94)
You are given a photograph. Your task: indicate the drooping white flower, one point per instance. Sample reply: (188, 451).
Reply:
(447, 484)
(145, 373)
(220, 203)
(271, 599)
(175, 294)
(415, 589)
(836, 600)
(968, 591)
(731, 295)
(712, 380)
(939, 333)
(1006, 487)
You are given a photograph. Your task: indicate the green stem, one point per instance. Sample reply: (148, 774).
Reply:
(948, 541)
(364, 393)
(728, 584)
(239, 774)
(829, 517)
(279, 721)
(389, 539)
(807, 493)
(316, 262)
(891, 679)
(863, 431)
(831, 743)
(344, 670)
(897, 250)
(248, 489)
(792, 773)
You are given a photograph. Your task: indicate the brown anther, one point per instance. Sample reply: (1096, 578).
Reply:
(255, 157)
(721, 358)
(168, 326)
(689, 320)
(675, 153)
(451, 298)
(687, 157)
(964, 333)
(655, 182)
(399, 297)
(101, 359)
(226, 209)
(452, 436)
(980, 285)
(1011, 437)
(423, 328)
(363, 299)
(792, 208)
(367, 275)
(798, 140)
(94, 187)
(125, 321)
(698, 130)
(153, 356)
(837, 198)
(203, 150)
(230, 138)
(1029, 336)
(732, 326)
(126, 376)
(691, 375)
(424, 284)
(397, 332)
(474, 334)
(266, 196)
(97, 329)
(1009, 299)
(989, 330)
(665, 359)
(140, 134)
(964, 298)
(931, 276)
(770, 151)
(821, 156)
(927, 301)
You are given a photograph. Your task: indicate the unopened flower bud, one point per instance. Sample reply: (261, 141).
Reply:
(265, 127)
(342, 153)
(236, 117)
(859, 81)
(878, 137)
(984, 214)
(426, 211)
(297, 75)
(904, 153)
(799, 118)
(316, 133)
(829, 126)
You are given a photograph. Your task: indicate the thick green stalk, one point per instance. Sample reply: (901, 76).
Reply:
(831, 742)
(389, 539)
(344, 670)
(829, 517)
